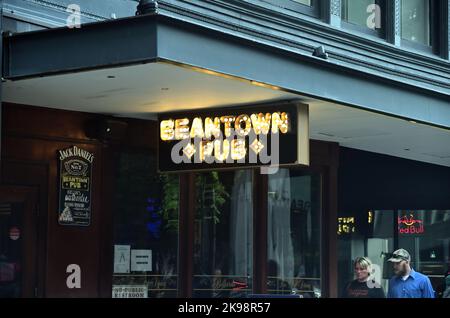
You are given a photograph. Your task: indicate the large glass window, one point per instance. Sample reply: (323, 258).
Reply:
(223, 236)
(356, 12)
(365, 233)
(416, 21)
(309, 7)
(293, 236)
(305, 2)
(425, 234)
(364, 16)
(145, 229)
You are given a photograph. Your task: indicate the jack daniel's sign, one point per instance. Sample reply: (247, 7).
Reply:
(75, 186)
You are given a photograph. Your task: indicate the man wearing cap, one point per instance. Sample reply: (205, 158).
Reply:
(407, 283)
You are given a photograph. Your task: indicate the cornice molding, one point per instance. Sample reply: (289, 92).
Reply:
(277, 27)
(293, 33)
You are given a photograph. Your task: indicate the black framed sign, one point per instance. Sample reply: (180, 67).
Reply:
(268, 135)
(75, 173)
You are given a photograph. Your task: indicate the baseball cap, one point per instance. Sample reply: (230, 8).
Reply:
(400, 255)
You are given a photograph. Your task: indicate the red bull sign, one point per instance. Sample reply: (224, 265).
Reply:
(410, 225)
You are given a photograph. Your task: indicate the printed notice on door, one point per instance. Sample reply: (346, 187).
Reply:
(121, 259)
(129, 291)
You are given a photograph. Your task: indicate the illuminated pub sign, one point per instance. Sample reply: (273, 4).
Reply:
(265, 135)
(346, 225)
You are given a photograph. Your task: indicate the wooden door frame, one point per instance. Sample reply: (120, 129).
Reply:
(27, 196)
(328, 225)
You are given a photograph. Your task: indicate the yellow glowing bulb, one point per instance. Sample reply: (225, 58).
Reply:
(238, 150)
(237, 125)
(280, 121)
(181, 129)
(261, 123)
(167, 129)
(221, 155)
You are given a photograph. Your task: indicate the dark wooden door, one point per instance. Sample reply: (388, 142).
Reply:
(18, 232)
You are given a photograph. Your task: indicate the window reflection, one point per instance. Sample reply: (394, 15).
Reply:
(359, 12)
(305, 2)
(415, 21)
(371, 236)
(145, 219)
(425, 234)
(223, 234)
(293, 237)
(309, 7)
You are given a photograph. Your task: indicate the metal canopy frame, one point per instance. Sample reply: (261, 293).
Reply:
(159, 38)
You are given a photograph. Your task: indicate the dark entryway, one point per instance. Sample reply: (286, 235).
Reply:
(18, 232)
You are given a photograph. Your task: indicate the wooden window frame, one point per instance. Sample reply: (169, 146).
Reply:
(327, 217)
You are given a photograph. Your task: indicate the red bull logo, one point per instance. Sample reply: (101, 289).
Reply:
(410, 225)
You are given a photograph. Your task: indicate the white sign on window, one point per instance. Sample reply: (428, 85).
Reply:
(129, 291)
(121, 258)
(141, 260)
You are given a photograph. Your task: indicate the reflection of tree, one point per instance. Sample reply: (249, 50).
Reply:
(211, 194)
(170, 201)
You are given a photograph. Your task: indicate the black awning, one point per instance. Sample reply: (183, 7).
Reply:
(156, 37)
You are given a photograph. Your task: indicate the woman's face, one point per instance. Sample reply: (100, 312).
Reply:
(361, 273)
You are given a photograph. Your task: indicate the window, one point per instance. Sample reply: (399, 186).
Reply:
(365, 233)
(416, 23)
(145, 229)
(223, 234)
(425, 234)
(364, 15)
(305, 2)
(309, 7)
(293, 233)
(356, 11)
(11, 249)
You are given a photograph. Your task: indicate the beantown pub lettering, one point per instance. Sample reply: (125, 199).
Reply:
(227, 138)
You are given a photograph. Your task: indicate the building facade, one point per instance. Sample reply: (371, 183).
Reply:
(92, 91)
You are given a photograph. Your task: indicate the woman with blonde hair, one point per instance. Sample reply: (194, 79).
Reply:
(363, 286)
